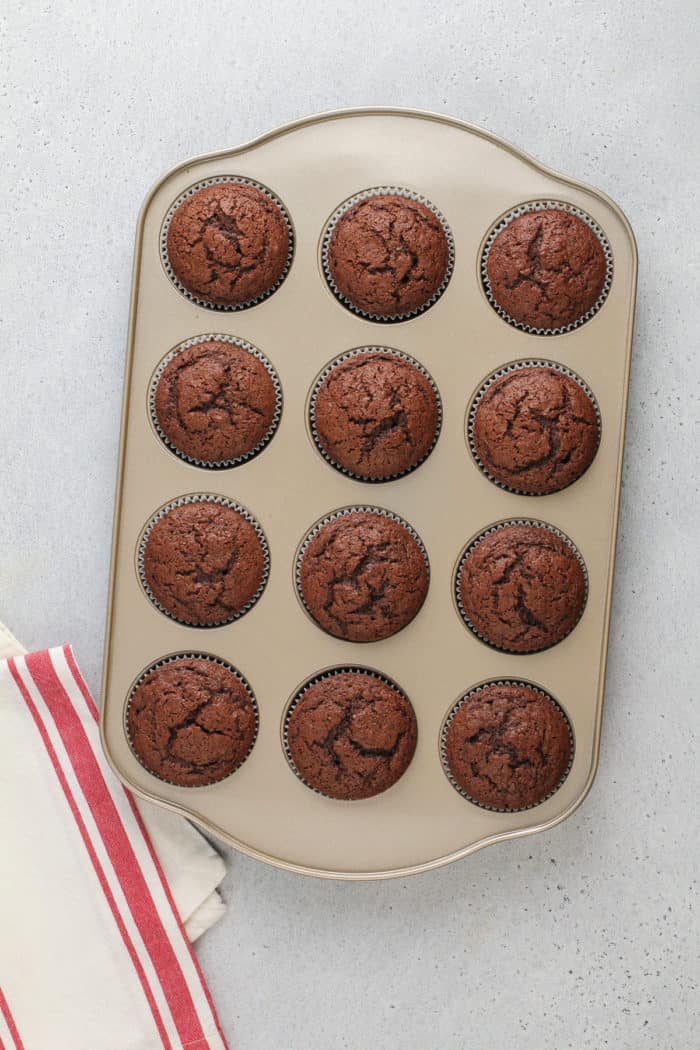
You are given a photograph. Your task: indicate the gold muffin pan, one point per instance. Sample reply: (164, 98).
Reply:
(313, 166)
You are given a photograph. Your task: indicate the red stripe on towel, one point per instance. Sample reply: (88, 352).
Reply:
(10, 1022)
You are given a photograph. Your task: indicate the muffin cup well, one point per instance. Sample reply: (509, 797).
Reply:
(378, 191)
(334, 516)
(173, 658)
(464, 698)
(224, 464)
(201, 498)
(165, 259)
(546, 205)
(324, 374)
(532, 523)
(298, 695)
(498, 374)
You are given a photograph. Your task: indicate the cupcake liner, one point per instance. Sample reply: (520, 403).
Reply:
(314, 531)
(546, 205)
(173, 658)
(298, 695)
(498, 374)
(396, 191)
(217, 181)
(320, 379)
(534, 523)
(224, 464)
(460, 703)
(181, 502)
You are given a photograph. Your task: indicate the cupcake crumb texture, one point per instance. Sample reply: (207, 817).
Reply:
(215, 401)
(536, 430)
(546, 269)
(203, 562)
(191, 722)
(363, 576)
(351, 735)
(388, 255)
(228, 243)
(376, 415)
(522, 588)
(508, 746)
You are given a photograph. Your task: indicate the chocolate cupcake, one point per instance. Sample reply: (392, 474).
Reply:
(521, 587)
(203, 561)
(547, 267)
(215, 401)
(507, 746)
(228, 243)
(191, 720)
(362, 574)
(534, 428)
(350, 734)
(375, 414)
(387, 255)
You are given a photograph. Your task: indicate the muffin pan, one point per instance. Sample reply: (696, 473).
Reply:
(472, 180)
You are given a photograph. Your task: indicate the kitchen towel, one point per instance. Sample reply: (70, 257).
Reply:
(93, 952)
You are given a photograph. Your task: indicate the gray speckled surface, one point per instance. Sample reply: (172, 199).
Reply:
(588, 936)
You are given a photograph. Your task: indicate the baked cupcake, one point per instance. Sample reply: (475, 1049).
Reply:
(521, 587)
(191, 720)
(388, 255)
(229, 244)
(507, 746)
(350, 734)
(216, 402)
(203, 562)
(534, 428)
(362, 575)
(375, 414)
(546, 269)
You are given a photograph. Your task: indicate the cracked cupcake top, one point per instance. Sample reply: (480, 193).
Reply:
(215, 401)
(522, 588)
(388, 255)
(508, 746)
(546, 269)
(191, 722)
(363, 576)
(228, 243)
(203, 562)
(376, 415)
(535, 429)
(351, 735)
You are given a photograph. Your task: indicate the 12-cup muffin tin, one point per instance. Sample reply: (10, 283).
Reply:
(472, 179)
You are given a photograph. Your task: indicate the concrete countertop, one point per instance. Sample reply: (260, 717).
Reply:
(583, 937)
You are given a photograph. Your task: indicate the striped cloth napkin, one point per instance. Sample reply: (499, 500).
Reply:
(93, 952)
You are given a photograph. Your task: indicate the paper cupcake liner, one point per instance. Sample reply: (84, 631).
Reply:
(506, 370)
(460, 703)
(546, 205)
(181, 502)
(314, 531)
(298, 695)
(165, 259)
(321, 378)
(224, 464)
(533, 523)
(163, 662)
(377, 191)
